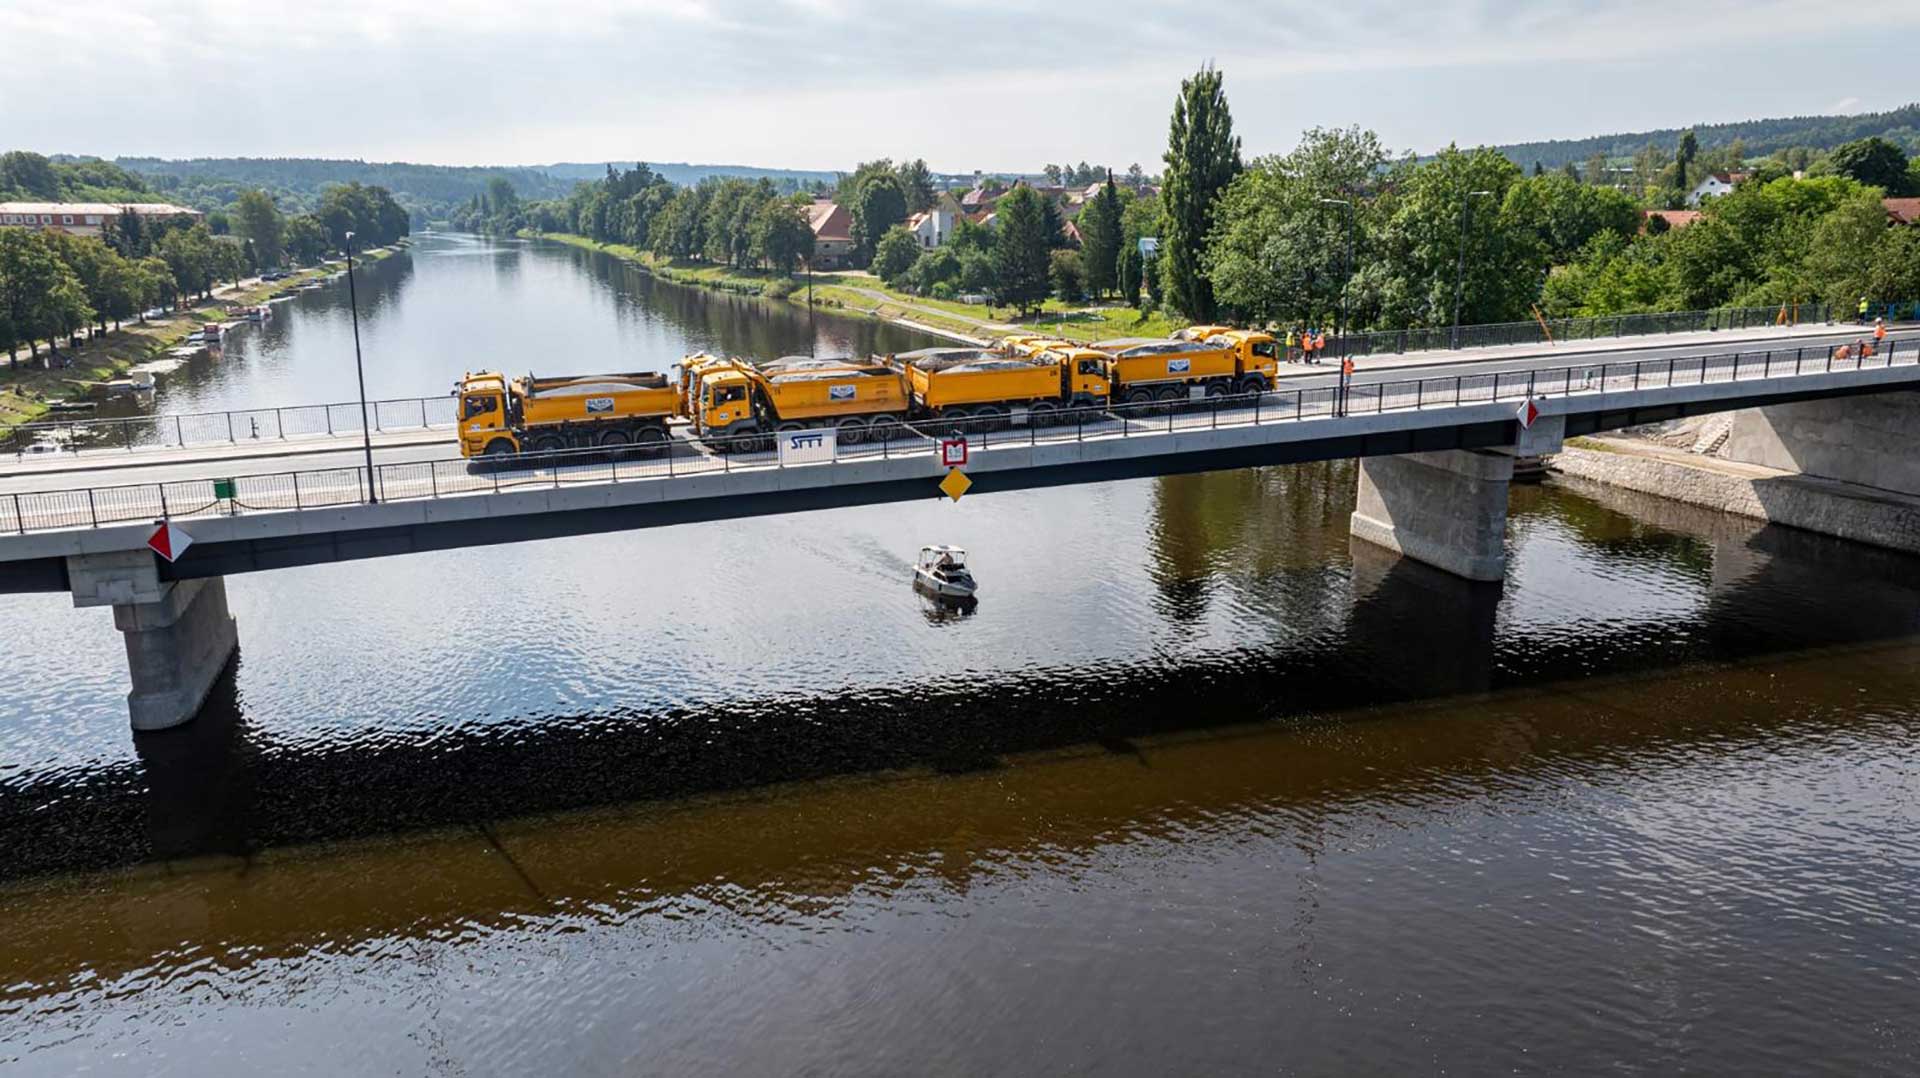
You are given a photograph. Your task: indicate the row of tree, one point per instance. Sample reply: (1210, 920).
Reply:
(53, 284)
(1339, 225)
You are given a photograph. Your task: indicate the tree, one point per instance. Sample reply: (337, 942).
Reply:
(1136, 177)
(29, 174)
(916, 183)
(1874, 162)
(258, 220)
(782, 236)
(895, 254)
(29, 272)
(1100, 239)
(1203, 156)
(1683, 159)
(1412, 282)
(1068, 274)
(190, 258)
(1596, 168)
(934, 268)
(303, 239)
(878, 205)
(1020, 249)
(1278, 248)
(1127, 273)
(1052, 173)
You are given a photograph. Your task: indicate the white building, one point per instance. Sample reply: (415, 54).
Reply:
(1713, 184)
(934, 227)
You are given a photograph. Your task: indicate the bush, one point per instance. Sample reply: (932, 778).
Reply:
(943, 290)
(976, 272)
(779, 288)
(935, 267)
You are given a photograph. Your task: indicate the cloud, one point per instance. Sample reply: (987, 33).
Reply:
(823, 82)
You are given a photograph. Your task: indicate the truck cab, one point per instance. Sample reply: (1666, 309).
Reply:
(1086, 375)
(483, 404)
(1257, 357)
(716, 395)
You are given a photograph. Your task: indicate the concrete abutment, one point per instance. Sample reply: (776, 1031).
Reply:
(179, 634)
(1447, 509)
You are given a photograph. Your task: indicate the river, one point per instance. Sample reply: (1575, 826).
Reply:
(1200, 787)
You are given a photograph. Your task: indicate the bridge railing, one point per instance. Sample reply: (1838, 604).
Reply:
(240, 426)
(1388, 342)
(453, 477)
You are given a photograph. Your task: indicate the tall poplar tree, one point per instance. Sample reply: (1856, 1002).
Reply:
(1202, 157)
(1100, 238)
(1020, 249)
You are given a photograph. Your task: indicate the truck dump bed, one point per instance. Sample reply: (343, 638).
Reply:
(579, 398)
(946, 377)
(1152, 359)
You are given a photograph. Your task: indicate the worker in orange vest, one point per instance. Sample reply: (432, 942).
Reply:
(1879, 329)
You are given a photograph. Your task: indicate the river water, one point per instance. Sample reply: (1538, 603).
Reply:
(1199, 787)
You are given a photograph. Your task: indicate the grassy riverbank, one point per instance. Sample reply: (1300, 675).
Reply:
(28, 390)
(868, 296)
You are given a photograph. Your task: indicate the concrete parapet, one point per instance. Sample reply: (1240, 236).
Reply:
(1447, 509)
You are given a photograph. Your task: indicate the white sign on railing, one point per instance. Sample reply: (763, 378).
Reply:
(812, 446)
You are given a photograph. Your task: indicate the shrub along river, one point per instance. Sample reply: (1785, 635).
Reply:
(1199, 787)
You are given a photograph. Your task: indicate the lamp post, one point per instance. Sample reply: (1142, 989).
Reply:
(359, 370)
(1346, 272)
(813, 335)
(1460, 265)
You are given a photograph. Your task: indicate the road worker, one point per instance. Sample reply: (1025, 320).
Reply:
(1293, 342)
(1863, 310)
(1879, 330)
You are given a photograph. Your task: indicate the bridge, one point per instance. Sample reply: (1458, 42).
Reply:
(1437, 450)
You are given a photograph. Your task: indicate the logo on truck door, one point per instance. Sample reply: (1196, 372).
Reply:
(596, 405)
(840, 393)
(1179, 366)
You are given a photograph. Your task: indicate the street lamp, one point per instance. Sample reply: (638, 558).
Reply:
(359, 370)
(1346, 272)
(1460, 265)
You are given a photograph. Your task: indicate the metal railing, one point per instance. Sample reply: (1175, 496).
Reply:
(234, 427)
(1389, 342)
(678, 458)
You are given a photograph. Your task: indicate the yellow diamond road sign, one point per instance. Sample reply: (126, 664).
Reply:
(955, 484)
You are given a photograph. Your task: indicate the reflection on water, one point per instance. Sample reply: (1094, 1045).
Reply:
(1201, 787)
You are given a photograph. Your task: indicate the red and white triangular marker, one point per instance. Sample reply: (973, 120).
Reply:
(169, 541)
(1527, 413)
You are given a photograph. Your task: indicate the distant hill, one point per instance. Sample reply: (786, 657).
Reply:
(1762, 137)
(685, 174)
(210, 182)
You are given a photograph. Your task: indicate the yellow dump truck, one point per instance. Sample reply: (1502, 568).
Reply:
(998, 384)
(501, 415)
(738, 406)
(1147, 369)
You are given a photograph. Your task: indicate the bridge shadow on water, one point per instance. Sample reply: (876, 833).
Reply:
(1407, 633)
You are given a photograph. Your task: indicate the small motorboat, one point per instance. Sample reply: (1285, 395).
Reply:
(943, 571)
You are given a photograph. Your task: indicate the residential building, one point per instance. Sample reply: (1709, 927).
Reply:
(1714, 183)
(85, 218)
(1902, 211)
(934, 227)
(832, 234)
(1674, 218)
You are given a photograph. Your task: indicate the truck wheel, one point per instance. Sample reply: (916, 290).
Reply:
(652, 441)
(885, 428)
(850, 431)
(614, 438)
(1042, 414)
(1253, 384)
(499, 447)
(548, 443)
(1137, 401)
(1219, 387)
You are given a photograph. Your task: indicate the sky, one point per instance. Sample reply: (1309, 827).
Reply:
(983, 84)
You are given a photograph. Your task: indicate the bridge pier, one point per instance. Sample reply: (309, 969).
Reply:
(1447, 508)
(178, 633)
